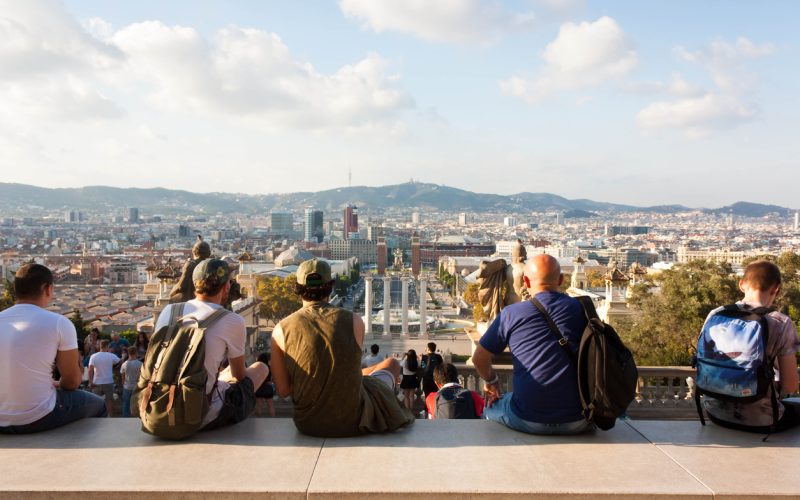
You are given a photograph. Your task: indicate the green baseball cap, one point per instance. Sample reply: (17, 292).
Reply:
(214, 272)
(314, 273)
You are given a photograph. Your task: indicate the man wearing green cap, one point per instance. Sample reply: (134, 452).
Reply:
(316, 358)
(232, 390)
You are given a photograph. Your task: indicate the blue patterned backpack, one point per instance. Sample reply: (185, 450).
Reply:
(732, 363)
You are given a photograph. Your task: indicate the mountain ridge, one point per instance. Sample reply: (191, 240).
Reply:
(409, 195)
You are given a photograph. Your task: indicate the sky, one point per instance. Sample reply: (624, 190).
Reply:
(644, 103)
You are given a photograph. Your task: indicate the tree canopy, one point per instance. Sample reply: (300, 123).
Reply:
(278, 297)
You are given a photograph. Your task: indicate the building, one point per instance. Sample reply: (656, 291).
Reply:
(281, 223)
(350, 217)
(416, 259)
(716, 255)
(373, 232)
(365, 251)
(462, 219)
(431, 253)
(133, 215)
(415, 218)
(381, 255)
(510, 221)
(70, 216)
(624, 257)
(312, 226)
(184, 231)
(626, 230)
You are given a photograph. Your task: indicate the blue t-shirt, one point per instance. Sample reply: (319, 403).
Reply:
(545, 380)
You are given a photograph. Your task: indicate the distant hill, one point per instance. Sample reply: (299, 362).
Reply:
(411, 196)
(746, 209)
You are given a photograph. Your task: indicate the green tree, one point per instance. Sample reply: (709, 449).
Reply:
(8, 297)
(341, 286)
(672, 311)
(80, 324)
(278, 297)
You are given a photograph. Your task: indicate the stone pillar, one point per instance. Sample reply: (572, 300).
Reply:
(404, 306)
(423, 308)
(368, 305)
(387, 304)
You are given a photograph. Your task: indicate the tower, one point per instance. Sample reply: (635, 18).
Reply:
(381, 257)
(312, 225)
(415, 256)
(350, 221)
(579, 279)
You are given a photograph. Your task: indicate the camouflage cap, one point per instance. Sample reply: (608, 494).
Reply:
(314, 272)
(212, 272)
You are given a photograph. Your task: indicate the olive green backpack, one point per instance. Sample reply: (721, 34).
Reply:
(171, 391)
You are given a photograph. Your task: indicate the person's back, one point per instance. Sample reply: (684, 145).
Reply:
(30, 338)
(373, 358)
(323, 360)
(451, 400)
(316, 358)
(761, 286)
(32, 342)
(545, 398)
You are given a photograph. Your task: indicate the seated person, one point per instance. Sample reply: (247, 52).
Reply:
(452, 400)
(373, 358)
(316, 358)
(32, 341)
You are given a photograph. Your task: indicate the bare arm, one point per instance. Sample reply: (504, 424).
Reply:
(70, 368)
(280, 375)
(787, 367)
(358, 330)
(91, 375)
(482, 359)
(238, 370)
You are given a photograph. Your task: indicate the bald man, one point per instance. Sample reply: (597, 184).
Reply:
(545, 397)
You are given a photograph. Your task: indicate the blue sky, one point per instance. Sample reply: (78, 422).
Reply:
(632, 102)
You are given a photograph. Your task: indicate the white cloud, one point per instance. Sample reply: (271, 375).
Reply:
(699, 112)
(448, 21)
(249, 74)
(582, 55)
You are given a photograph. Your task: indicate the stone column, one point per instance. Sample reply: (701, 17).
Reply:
(368, 305)
(423, 308)
(387, 303)
(404, 310)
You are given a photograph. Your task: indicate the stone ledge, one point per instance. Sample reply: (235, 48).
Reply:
(268, 458)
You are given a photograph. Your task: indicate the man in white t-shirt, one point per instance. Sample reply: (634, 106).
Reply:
(32, 341)
(101, 374)
(225, 340)
(373, 358)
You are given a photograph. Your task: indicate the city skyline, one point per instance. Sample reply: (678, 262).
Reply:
(618, 103)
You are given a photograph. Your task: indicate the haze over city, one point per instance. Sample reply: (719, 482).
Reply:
(640, 103)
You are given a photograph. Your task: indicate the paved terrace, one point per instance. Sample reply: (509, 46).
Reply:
(268, 458)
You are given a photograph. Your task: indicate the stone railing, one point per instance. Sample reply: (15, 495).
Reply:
(663, 392)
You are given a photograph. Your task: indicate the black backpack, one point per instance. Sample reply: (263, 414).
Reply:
(429, 362)
(607, 373)
(455, 402)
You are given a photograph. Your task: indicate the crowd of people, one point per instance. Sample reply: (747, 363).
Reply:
(317, 359)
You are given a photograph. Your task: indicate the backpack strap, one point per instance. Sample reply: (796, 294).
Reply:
(560, 338)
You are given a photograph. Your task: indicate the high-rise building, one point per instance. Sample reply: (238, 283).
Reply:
(415, 218)
(281, 223)
(350, 221)
(133, 215)
(184, 231)
(364, 250)
(462, 219)
(797, 221)
(510, 221)
(71, 216)
(312, 225)
(373, 232)
(381, 255)
(415, 256)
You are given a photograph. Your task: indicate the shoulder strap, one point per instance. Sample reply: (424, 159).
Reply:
(562, 340)
(176, 313)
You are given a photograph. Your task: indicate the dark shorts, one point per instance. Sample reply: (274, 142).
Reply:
(409, 382)
(266, 391)
(238, 403)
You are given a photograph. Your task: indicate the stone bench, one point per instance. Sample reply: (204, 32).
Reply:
(268, 458)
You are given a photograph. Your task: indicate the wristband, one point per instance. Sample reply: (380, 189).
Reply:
(495, 380)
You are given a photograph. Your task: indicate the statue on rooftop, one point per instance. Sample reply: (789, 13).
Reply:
(398, 259)
(500, 283)
(184, 288)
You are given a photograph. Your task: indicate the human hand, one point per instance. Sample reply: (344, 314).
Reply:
(492, 393)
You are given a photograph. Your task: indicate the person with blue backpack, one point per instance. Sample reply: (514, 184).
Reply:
(746, 359)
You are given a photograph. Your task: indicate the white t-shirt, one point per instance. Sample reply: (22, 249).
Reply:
(224, 340)
(404, 365)
(30, 337)
(103, 363)
(131, 369)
